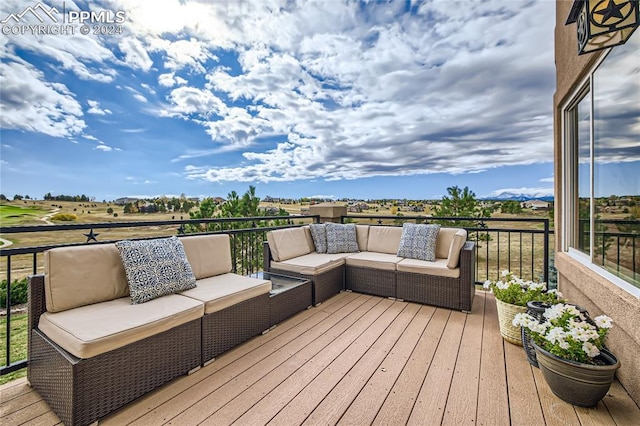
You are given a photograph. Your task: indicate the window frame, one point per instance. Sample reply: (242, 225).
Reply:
(569, 152)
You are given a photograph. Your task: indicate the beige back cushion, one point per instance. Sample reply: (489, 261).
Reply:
(443, 242)
(384, 239)
(288, 243)
(459, 238)
(362, 236)
(82, 275)
(208, 255)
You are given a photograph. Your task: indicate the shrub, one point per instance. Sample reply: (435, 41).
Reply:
(18, 292)
(64, 217)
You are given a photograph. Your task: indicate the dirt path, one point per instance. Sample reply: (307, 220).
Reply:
(46, 217)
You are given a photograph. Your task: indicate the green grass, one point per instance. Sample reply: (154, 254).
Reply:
(17, 215)
(18, 344)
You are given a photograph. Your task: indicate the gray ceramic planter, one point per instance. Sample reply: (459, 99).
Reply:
(574, 382)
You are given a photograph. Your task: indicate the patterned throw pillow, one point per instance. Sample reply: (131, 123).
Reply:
(418, 241)
(155, 268)
(341, 238)
(319, 235)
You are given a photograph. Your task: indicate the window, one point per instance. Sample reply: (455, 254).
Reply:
(602, 167)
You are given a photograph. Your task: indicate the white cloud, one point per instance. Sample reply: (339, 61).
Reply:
(135, 54)
(170, 80)
(31, 104)
(104, 148)
(94, 108)
(321, 90)
(140, 98)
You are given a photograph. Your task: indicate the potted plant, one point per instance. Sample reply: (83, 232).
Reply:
(571, 353)
(512, 294)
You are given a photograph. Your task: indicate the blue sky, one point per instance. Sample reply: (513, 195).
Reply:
(397, 99)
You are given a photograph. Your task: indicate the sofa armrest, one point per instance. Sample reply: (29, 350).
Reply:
(36, 299)
(266, 256)
(467, 275)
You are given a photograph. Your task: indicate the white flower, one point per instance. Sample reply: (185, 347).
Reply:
(590, 349)
(556, 292)
(504, 273)
(523, 320)
(554, 312)
(556, 335)
(537, 286)
(487, 284)
(603, 321)
(573, 311)
(540, 328)
(502, 285)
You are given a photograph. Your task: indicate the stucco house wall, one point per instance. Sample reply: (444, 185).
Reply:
(579, 283)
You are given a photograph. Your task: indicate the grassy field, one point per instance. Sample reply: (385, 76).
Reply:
(12, 214)
(18, 344)
(31, 212)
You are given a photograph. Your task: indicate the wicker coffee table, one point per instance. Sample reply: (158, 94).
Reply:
(288, 296)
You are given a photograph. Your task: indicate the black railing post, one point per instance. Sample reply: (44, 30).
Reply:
(8, 306)
(546, 252)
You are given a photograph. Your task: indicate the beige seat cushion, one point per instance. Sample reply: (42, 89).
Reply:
(312, 263)
(289, 243)
(209, 255)
(439, 267)
(82, 275)
(222, 291)
(368, 259)
(91, 330)
(384, 239)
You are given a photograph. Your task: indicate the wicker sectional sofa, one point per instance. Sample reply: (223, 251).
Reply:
(91, 351)
(375, 267)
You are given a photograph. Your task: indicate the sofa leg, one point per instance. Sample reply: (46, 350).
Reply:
(193, 370)
(398, 299)
(208, 362)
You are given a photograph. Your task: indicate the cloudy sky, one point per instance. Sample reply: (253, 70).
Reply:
(362, 99)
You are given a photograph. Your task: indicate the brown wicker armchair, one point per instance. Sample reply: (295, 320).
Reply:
(81, 391)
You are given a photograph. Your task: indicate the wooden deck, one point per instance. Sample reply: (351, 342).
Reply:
(357, 360)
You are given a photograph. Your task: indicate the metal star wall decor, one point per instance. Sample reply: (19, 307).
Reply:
(91, 236)
(604, 23)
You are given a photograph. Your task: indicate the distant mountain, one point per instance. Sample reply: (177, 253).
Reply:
(520, 197)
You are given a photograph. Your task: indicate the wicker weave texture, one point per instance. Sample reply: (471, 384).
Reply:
(290, 302)
(506, 313)
(81, 391)
(370, 281)
(325, 285)
(452, 293)
(224, 329)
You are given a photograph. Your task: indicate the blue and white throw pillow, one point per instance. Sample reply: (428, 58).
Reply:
(418, 241)
(155, 268)
(341, 238)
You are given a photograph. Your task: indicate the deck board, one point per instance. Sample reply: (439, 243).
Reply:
(493, 397)
(401, 400)
(356, 360)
